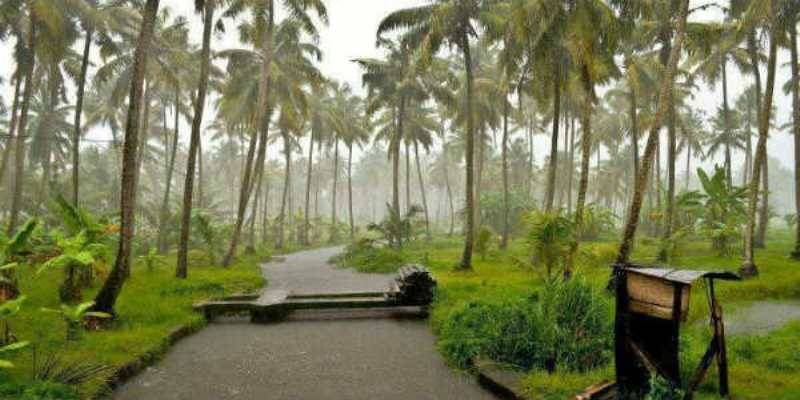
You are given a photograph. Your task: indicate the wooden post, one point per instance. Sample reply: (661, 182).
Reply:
(719, 336)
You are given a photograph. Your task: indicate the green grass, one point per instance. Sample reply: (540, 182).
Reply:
(761, 367)
(152, 304)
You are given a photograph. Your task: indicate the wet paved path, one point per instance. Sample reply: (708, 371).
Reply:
(311, 359)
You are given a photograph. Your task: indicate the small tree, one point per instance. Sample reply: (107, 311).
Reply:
(74, 317)
(550, 236)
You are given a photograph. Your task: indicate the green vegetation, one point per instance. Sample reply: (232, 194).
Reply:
(153, 305)
(500, 311)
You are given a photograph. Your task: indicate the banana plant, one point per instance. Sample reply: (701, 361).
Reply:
(79, 255)
(74, 317)
(152, 259)
(11, 248)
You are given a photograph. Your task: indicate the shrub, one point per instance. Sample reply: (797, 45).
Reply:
(484, 241)
(549, 238)
(567, 326)
(365, 256)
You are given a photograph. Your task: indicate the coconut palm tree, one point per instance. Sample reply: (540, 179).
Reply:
(755, 12)
(793, 18)
(429, 26)
(664, 94)
(206, 8)
(262, 32)
(107, 296)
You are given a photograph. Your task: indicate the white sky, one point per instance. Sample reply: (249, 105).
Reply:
(351, 34)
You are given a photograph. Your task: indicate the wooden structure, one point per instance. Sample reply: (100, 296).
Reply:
(651, 305)
(409, 294)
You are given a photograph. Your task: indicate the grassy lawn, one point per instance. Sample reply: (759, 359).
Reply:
(152, 304)
(760, 366)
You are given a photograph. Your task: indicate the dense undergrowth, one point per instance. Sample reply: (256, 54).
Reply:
(497, 311)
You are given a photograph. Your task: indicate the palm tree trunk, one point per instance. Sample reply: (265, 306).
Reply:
(265, 212)
(688, 165)
(12, 125)
(749, 267)
(76, 140)
(504, 160)
(632, 223)
(634, 134)
(279, 237)
(164, 214)
(551, 172)
(586, 149)
(449, 190)
(334, 222)
(727, 122)
(181, 268)
(469, 227)
(408, 177)
(350, 189)
(107, 296)
(395, 150)
(796, 130)
(309, 171)
(571, 171)
(422, 191)
(760, 240)
(19, 156)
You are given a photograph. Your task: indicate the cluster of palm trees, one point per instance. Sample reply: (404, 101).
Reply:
(454, 75)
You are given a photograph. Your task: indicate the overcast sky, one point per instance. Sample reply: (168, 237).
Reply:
(351, 34)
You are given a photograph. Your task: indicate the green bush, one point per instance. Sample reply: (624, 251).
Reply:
(366, 256)
(38, 391)
(567, 326)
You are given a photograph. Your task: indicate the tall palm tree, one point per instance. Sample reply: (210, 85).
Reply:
(749, 267)
(664, 94)
(107, 296)
(793, 18)
(451, 21)
(263, 30)
(206, 7)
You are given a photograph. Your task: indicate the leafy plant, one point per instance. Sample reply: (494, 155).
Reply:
(723, 210)
(53, 368)
(79, 256)
(74, 317)
(484, 241)
(661, 389)
(549, 238)
(10, 348)
(206, 233)
(8, 309)
(152, 259)
(597, 221)
(395, 228)
(10, 251)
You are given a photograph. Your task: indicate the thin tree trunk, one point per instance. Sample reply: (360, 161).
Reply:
(504, 158)
(469, 227)
(19, 156)
(796, 130)
(309, 171)
(164, 214)
(629, 231)
(107, 296)
(408, 177)
(727, 121)
(449, 189)
(688, 165)
(422, 191)
(334, 228)
(571, 171)
(634, 134)
(551, 172)
(279, 237)
(350, 189)
(76, 140)
(12, 126)
(181, 268)
(749, 267)
(395, 150)
(586, 149)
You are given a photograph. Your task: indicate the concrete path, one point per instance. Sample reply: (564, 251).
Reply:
(309, 359)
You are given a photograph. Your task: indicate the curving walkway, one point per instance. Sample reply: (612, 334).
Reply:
(307, 359)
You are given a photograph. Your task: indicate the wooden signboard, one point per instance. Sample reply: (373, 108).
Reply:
(651, 305)
(655, 296)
